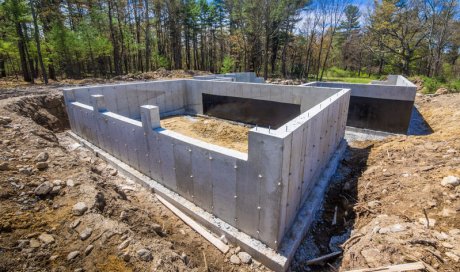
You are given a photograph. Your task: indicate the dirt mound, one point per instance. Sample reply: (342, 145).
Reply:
(46, 110)
(282, 81)
(211, 130)
(160, 74)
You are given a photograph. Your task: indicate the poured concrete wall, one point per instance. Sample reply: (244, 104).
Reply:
(258, 192)
(382, 105)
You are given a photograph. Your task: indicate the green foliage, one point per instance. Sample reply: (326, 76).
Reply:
(228, 65)
(431, 85)
(160, 61)
(453, 85)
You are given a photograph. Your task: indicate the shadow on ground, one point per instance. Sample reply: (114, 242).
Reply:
(418, 124)
(325, 236)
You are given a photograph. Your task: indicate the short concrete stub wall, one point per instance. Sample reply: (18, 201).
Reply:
(382, 105)
(260, 192)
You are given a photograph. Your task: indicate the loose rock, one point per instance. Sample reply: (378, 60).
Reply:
(43, 189)
(86, 233)
(450, 181)
(144, 255)
(235, 260)
(42, 157)
(75, 223)
(41, 165)
(244, 257)
(88, 249)
(72, 255)
(5, 120)
(34, 243)
(4, 166)
(124, 244)
(55, 190)
(79, 209)
(46, 238)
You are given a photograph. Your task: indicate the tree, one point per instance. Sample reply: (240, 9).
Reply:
(37, 42)
(402, 26)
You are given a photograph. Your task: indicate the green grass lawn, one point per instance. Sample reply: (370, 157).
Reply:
(350, 79)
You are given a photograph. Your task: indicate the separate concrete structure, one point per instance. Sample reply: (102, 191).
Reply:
(382, 105)
(249, 77)
(256, 196)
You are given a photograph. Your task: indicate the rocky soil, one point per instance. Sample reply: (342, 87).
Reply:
(395, 200)
(64, 209)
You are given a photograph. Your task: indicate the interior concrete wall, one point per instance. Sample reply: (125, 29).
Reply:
(305, 97)
(259, 192)
(125, 99)
(381, 106)
(402, 92)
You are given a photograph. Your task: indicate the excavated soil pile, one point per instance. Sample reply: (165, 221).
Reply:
(46, 110)
(211, 130)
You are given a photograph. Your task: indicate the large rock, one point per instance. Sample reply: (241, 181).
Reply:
(450, 181)
(43, 189)
(144, 255)
(79, 209)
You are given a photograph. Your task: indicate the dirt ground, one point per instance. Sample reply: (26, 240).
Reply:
(210, 130)
(382, 192)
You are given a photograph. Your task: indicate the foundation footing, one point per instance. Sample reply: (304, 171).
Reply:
(275, 260)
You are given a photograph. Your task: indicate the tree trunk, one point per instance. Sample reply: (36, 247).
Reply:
(116, 53)
(22, 54)
(2, 68)
(37, 41)
(147, 37)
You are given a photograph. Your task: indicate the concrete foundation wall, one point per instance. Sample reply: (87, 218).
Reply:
(383, 105)
(259, 192)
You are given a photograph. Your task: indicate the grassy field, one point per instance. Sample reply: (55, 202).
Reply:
(349, 79)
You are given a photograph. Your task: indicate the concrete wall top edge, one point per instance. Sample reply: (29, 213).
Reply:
(122, 84)
(379, 91)
(200, 144)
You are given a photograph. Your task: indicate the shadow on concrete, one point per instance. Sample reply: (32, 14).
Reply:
(418, 125)
(325, 237)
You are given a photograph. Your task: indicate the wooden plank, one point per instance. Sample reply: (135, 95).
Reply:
(394, 268)
(194, 225)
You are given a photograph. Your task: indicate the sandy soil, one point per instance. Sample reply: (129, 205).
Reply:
(211, 130)
(382, 191)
